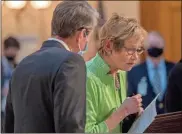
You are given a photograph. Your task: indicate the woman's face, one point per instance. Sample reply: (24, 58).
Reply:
(126, 58)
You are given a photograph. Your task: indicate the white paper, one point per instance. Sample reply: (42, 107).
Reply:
(145, 119)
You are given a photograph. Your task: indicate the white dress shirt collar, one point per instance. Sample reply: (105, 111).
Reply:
(60, 41)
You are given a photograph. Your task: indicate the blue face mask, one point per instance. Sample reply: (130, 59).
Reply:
(83, 51)
(86, 45)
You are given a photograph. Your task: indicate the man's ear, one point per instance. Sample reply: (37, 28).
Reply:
(78, 35)
(84, 33)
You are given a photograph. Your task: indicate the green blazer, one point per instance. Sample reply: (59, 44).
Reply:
(102, 97)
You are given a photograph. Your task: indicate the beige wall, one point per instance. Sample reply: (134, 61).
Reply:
(33, 26)
(128, 8)
(29, 25)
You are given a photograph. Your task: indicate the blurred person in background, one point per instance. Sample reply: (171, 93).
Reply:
(121, 42)
(8, 63)
(150, 77)
(48, 88)
(173, 98)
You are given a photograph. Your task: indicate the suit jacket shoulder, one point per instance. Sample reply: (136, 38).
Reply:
(174, 89)
(169, 63)
(52, 79)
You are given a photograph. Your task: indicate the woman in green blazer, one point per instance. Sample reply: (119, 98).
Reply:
(121, 43)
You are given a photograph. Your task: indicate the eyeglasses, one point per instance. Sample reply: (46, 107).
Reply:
(131, 51)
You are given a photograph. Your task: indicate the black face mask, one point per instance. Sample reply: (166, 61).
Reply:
(155, 52)
(10, 58)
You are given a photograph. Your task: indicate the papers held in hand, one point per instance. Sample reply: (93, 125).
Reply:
(145, 119)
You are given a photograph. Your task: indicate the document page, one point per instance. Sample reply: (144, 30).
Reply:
(145, 119)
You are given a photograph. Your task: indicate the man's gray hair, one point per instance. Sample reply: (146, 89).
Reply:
(70, 16)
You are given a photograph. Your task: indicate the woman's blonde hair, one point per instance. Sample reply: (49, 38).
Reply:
(118, 29)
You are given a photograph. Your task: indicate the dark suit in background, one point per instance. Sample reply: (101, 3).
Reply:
(139, 82)
(174, 89)
(47, 92)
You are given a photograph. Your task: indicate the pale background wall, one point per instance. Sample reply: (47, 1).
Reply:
(32, 26)
(128, 8)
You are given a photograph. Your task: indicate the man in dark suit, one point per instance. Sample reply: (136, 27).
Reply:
(48, 88)
(150, 78)
(173, 96)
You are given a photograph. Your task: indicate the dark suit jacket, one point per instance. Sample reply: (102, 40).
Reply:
(174, 89)
(134, 77)
(47, 92)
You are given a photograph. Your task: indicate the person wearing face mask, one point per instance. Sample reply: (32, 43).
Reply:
(120, 40)
(48, 88)
(8, 62)
(150, 77)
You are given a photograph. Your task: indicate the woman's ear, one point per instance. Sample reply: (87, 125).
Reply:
(108, 45)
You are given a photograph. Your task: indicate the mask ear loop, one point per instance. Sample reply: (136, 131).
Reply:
(79, 46)
(85, 36)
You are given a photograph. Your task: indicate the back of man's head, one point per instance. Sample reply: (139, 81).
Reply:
(155, 39)
(70, 16)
